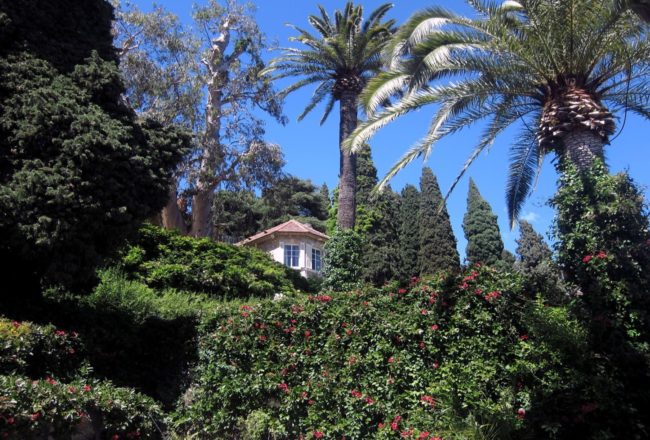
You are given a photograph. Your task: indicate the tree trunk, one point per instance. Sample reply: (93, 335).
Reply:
(171, 217)
(582, 147)
(348, 162)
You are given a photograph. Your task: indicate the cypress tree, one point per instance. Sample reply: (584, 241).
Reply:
(437, 250)
(78, 172)
(531, 247)
(484, 244)
(409, 232)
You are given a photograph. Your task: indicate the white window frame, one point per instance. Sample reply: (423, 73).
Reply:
(316, 253)
(293, 256)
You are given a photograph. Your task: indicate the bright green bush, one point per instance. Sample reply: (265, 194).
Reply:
(36, 351)
(381, 363)
(34, 409)
(165, 259)
(342, 264)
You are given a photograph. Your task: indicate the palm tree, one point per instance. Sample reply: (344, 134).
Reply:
(558, 69)
(339, 60)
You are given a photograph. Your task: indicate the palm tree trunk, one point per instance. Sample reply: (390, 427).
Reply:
(348, 162)
(582, 147)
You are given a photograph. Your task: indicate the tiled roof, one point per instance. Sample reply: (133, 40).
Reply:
(291, 227)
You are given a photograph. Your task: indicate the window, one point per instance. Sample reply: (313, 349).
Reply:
(315, 260)
(291, 254)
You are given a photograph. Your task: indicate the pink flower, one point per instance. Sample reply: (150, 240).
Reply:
(587, 258)
(434, 327)
(369, 400)
(318, 434)
(424, 435)
(521, 413)
(391, 360)
(86, 387)
(35, 416)
(284, 387)
(401, 291)
(428, 400)
(394, 425)
(307, 334)
(435, 365)
(523, 337)
(60, 333)
(407, 433)
(310, 402)
(356, 394)
(424, 312)
(10, 420)
(601, 255)
(380, 425)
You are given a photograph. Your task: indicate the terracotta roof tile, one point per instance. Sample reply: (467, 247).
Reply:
(292, 226)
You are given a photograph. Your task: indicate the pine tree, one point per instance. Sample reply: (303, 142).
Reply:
(437, 250)
(531, 247)
(409, 232)
(484, 244)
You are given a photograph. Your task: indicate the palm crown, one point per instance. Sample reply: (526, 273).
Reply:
(550, 65)
(342, 57)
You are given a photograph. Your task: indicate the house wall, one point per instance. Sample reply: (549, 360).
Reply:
(275, 248)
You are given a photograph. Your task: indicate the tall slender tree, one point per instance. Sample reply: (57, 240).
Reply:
(556, 68)
(339, 60)
(484, 244)
(207, 80)
(437, 250)
(409, 232)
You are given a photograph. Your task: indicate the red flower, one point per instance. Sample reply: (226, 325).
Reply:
(49, 380)
(601, 255)
(284, 387)
(35, 416)
(115, 437)
(86, 387)
(356, 394)
(428, 400)
(434, 327)
(307, 334)
(435, 365)
(523, 337)
(16, 324)
(72, 390)
(318, 434)
(380, 425)
(369, 400)
(60, 333)
(263, 338)
(394, 425)
(402, 291)
(424, 435)
(587, 258)
(521, 413)
(10, 420)
(391, 360)
(407, 433)
(310, 402)
(424, 312)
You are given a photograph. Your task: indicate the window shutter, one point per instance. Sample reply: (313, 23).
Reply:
(308, 262)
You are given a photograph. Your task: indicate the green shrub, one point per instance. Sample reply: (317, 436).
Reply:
(167, 260)
(342, 261)
(36, 351)
(447, 356)
(42, 408)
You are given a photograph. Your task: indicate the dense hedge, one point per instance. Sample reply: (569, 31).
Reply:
(442, 358)
(36, 351)
(42, 408)
(166, 259)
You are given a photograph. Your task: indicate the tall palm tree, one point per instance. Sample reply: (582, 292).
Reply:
(558, 69)
(340, 59)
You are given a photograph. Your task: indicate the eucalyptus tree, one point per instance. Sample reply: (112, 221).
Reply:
(339, 60)
(205, 77)
(558, 70)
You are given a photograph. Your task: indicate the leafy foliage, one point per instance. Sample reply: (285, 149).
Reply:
(437, 251)
(78, 173)
(44, 408)
(342, 260)
(604, 249)
(484, 242)
(385, 363)
(165, 259)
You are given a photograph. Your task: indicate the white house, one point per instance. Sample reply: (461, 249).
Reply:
(294, 244)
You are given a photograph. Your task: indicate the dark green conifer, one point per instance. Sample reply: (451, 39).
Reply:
(78, 172)
(409, 232)
(484, 243)
(437, 242)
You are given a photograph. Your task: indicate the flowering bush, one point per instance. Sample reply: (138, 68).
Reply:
(375, 363)
(35, 350)
(42, 408)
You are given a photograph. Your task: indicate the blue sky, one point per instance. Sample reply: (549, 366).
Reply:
(311, 150)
